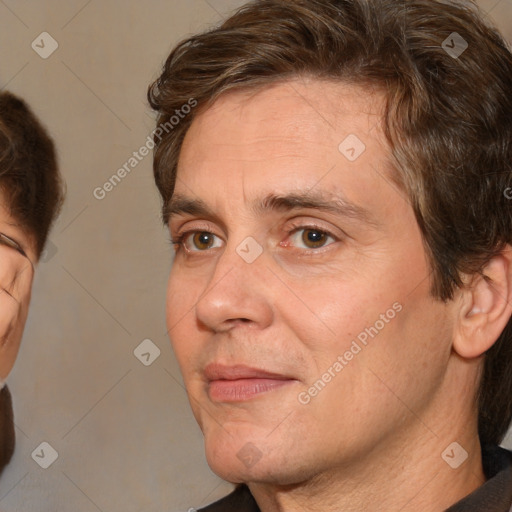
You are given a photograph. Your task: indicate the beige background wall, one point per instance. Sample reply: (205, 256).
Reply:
(125, 437)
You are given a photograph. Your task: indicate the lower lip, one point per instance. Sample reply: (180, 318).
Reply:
(242, 389)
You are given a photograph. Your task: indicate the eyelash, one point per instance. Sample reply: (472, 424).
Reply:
(179, 242)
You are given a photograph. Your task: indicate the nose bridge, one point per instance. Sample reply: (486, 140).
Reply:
(242, 262)
(236, 289)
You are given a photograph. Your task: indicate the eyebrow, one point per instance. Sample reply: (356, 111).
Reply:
(315, 201)
(182, 205)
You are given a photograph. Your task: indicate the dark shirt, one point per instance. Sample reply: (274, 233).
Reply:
(495, 495)
(7, 435)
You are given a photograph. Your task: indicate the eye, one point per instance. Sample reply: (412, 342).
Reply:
(13, 244)
(311, 238)
(198, 241)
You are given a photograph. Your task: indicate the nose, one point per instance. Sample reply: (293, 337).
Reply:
(238, 293)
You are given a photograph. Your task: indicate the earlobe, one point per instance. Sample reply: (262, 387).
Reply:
(485, 307)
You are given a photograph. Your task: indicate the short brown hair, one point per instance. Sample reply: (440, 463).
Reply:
(448, 121)
(29, 175)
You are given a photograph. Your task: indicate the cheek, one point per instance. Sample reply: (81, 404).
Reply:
(179, 313)
(188, 340)
(364, 314)
(334, 303)
(328, 311)
(12, 324)
(183, 291)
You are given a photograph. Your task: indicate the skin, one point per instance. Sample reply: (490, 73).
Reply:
(16, 277)
(372, 438)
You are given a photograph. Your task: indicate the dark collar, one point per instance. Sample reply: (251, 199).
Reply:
(240, 500)
(7, 434)
(495, 495)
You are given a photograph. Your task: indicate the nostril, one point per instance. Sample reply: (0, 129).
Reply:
(232, 321)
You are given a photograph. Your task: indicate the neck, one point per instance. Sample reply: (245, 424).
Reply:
(405, 474)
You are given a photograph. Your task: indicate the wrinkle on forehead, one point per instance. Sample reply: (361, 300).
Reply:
(283, 137)
(319, 112)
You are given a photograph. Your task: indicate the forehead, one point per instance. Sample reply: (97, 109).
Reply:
(291, 135)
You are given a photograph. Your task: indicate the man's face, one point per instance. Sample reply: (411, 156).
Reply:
(16, 276)
(298, 304)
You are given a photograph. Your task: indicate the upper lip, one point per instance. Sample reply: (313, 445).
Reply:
(216, 371)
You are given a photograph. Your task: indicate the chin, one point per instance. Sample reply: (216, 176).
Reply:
(240, 460)
(268, 472)
(235, 458)
(230, 469)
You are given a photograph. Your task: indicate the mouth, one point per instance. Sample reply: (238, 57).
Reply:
(240, 383)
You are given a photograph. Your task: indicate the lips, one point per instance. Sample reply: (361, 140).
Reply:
(239, 383)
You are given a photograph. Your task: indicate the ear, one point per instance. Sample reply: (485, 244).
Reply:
(485, 307)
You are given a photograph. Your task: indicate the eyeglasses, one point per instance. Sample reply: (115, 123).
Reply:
(9, 242)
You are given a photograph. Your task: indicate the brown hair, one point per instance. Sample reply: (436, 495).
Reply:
(29, 176)
(448, 121)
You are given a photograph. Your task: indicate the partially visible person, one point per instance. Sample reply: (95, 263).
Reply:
(31, 194)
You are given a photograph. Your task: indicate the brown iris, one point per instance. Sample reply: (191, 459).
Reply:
(203, 240)
(313, 238)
